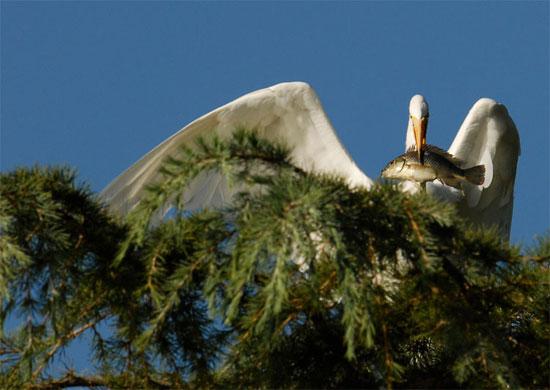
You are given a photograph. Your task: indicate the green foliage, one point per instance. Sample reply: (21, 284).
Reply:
(301, 282)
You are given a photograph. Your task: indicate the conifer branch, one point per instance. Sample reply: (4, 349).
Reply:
(302, 282)
(71, 379)
(62, 341)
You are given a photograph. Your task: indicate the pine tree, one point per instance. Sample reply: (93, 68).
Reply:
(303, 282)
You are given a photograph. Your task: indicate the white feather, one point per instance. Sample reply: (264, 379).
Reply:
(287, 112)
(488, 136)
(410, 143)
(418, 108)
(292, 113)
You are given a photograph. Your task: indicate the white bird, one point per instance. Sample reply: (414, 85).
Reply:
(292, 113)
(488, 137)
(419, 113)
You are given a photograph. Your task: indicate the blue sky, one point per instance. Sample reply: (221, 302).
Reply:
(97, 84)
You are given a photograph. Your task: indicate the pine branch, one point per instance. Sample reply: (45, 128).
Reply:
(316, 284)
(61, 341)
(71, 379)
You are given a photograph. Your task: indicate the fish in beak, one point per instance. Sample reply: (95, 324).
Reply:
(419, 127)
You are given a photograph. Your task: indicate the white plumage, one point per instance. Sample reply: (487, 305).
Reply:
(292, 113)
(488, 136)
(289, 112)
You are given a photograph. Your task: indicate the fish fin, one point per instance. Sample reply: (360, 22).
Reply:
(443, 153)
(475, 175)
(452, 182)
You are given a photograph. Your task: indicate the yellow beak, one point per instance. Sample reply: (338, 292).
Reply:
(419, 127)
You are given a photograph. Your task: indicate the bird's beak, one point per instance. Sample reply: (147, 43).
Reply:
(420, 126)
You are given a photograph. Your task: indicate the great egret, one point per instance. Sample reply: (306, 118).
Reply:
(488, 137)
(293, 114)
(418, 125)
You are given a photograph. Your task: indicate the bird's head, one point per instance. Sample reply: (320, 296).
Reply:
(419, 114)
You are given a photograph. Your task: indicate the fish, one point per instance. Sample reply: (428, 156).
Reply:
(438, 164)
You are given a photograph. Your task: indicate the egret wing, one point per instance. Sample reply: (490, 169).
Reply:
(290, 113)
(488, 136)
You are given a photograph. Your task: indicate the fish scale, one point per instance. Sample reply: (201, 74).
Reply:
(438, 164)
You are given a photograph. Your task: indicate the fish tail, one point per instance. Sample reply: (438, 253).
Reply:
(475, 175)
